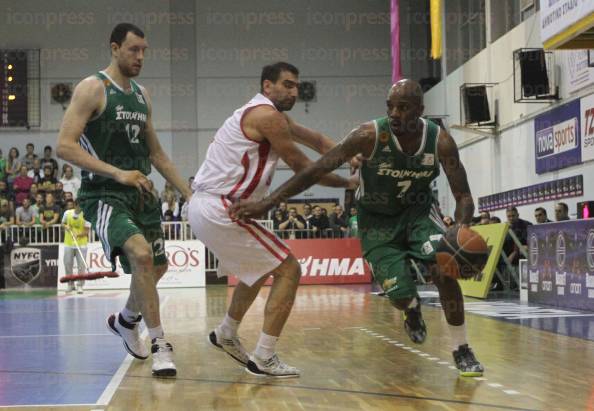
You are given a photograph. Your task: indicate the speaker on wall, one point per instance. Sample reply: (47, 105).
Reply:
(534, 77)
(476, 104)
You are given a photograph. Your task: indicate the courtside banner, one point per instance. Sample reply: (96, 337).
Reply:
(557, 138)
(186, 267)
(494, 235)
(561, 264)
(33, 266)
(337, 261)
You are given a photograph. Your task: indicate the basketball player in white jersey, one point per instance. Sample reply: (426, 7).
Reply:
(240, 164)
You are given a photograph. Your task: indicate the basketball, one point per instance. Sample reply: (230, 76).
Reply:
(461, 253)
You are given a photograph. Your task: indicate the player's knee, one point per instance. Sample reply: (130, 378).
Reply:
(142, 257)
(290, 268)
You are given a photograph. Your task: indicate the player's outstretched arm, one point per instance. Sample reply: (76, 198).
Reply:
(456, 174)
(159, 158)
(88, 99)
(360, 140)
(310, 138)
(273, 126)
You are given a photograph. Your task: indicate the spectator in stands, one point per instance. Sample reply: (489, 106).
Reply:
(30, 156)
(33, 192)
(319, 223)
(282, 206)
(36, 173)
(13, 165)
(48, 183)
(338, 222)
(561, 212)
(22, 186)
(2, 166)
(353, 223)
(6, 214)
(170, 204)
(26, 215)
(540, 215)
(277, 219)
(59, 195)
(485, 218)
(292, 227)
(37, 203)
(68, 196)
(520, 229)
(448, 221)
(49, 160)
(69, 181)
(324, 211)
(4, 192)
(49, 214)
(495, 220)
(168, 191)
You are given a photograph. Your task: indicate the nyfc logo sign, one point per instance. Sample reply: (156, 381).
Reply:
(590, 250)
(557, 139)
(533, 250)
(25, 263)
(561, 251)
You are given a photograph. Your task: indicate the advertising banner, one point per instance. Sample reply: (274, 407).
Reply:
(557, 138)
(336, 261)
(494, 235)
(575, 70)
(561, 264)
(558, 16)
(587, 140)
(186, 267)
(31, 266)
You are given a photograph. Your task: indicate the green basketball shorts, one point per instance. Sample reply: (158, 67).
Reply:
(115, 221)
(390, 242)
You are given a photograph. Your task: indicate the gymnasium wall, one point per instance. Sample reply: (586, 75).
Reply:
(504, 161)
(205, 58)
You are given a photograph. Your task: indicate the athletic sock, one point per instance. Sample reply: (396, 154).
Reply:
(265, 347)
(129, 316)
(458, 335)
(228, 327)
(156, 332)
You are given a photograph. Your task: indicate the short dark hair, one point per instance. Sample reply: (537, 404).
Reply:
(512, 208)
(541, 209)
(563, 206)
(30, 144)
(272, 72)
(119, 33)
(47, 148)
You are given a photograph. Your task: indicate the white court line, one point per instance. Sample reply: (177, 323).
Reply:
(117, 378)
(46, 405)
(53, 335)
(495, 385)
(511, 392)
(311, 329)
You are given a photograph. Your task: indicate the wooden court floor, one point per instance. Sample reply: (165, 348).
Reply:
(354, 355)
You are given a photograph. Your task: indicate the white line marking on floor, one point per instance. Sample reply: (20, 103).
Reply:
(312, 329)
(117, 378)
(451, 367)
(415, 351)
(422, 354)
(399, 345)
(433, 358)
(495, 385)
(511, 392)
(481, 379)
(443, 363)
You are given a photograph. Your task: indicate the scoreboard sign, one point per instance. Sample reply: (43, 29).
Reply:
(561, 264)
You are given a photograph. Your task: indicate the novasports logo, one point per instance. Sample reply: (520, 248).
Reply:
(557, 139)
(321, 267)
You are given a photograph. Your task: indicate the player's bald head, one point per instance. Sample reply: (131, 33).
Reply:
(406, 89)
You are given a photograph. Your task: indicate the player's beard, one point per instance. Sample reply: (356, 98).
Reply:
(285, 105)
(128, 70)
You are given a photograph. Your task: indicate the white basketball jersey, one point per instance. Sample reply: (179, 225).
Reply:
(236, 166)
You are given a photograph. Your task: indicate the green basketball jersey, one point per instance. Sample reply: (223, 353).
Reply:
(392, 181)
(116, 136)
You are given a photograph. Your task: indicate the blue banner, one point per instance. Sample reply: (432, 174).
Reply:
(561, 264)
(557, 138)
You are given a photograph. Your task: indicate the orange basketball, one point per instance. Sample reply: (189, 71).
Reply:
(461, 253)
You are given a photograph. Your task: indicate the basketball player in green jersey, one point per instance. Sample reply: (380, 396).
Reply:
(397, 215)
(107, 131)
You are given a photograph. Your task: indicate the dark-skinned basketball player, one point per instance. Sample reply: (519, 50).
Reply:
(398, 218)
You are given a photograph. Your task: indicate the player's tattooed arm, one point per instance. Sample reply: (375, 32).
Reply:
(456, 174)
(360, 140)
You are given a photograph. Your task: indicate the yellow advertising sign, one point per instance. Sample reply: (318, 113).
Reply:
(494, 235)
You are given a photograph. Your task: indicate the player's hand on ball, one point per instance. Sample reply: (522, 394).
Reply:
(461, 253)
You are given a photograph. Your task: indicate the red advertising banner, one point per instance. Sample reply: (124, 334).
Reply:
(338, 261)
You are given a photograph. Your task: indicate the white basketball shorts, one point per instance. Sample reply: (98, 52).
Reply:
(245, 249)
